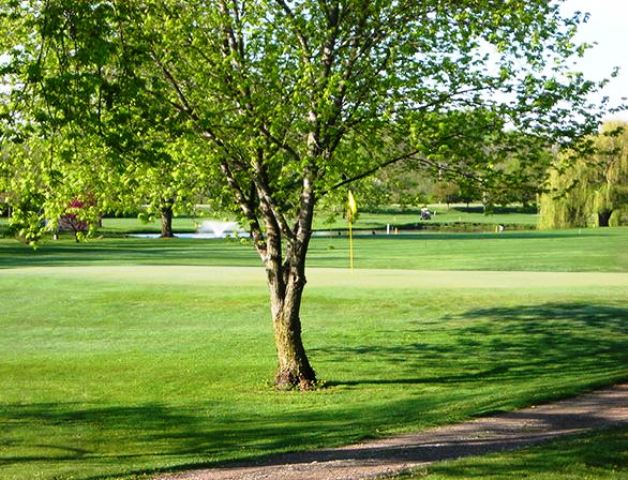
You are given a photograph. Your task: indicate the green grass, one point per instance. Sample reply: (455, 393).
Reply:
(139, 362)
(134, 225)
(569, 250)
(598, 456)
(110, 371)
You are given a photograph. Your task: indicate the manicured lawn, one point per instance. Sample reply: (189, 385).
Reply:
(120, 357)
(569, 250)
(134, 225)
(114, 370)
(598, 456)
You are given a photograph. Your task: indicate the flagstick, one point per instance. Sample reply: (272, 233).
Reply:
(352, 209)
(350, 246)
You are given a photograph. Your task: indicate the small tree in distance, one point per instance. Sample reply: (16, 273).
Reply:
(446, 192)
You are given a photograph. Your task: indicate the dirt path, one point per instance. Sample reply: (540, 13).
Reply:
(397, 454)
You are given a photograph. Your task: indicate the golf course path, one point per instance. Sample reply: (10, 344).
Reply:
(394, 455)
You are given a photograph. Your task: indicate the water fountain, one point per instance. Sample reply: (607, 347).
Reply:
(218, 228)
(207, 229)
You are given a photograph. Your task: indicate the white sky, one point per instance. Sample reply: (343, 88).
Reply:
(608, 26)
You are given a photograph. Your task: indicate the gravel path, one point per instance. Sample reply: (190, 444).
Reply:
(395, 455)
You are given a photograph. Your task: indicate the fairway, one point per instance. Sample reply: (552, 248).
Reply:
(114, 370)
(592, 250)
(459, 216)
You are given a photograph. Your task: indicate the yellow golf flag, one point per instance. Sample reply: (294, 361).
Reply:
(352, 208)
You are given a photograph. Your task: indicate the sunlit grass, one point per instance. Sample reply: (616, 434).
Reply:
(568, 250)
(396, 217)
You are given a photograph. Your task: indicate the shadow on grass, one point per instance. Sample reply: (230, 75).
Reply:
(128, 251)
(503, 344)
(152, 435)
(152, 425)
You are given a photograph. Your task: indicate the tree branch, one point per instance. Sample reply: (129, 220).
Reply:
(266, 195)
(248, 208)
(424, 161)
(300, 36)
(370, 171)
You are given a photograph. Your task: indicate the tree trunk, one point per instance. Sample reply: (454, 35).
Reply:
(604, 217)
(294, 369)
(166, 221)
(286, 282)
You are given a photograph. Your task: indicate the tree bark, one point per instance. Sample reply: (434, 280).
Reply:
(294, 369)
(286, 282)
(166, 220)
(604, 217)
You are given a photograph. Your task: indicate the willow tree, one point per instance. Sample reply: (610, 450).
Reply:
(296, 99)
(589, 189)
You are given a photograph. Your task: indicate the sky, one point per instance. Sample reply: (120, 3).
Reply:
(608, 26)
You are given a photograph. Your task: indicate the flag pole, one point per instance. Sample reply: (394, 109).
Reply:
(352, 210)
(351, 245)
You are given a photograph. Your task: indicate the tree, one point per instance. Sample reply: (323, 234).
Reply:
(612, 173)
(446, 192)
(296, 100)
(162, 188)
(523, 169)
(593, 189)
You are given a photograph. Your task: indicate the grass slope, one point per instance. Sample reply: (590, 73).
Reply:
(142, 360)
(111, 372)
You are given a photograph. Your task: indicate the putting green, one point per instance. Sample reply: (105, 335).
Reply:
(331, 277)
